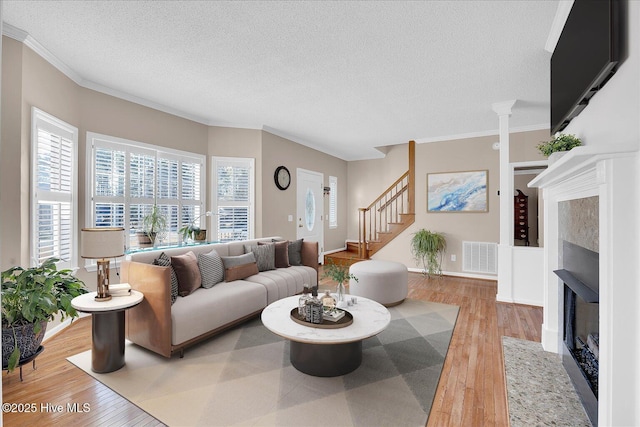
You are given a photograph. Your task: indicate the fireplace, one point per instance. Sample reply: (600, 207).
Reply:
(580, 352)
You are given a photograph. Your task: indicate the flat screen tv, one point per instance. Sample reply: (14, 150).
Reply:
(584, 58)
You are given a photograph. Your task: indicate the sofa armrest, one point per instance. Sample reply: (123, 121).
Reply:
(149, 323)
(309, 254)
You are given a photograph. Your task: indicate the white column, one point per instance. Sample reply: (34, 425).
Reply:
(505, 256)
(619, 385)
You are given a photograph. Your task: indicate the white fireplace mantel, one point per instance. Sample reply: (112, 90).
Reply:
(610, 172)
(578, 161)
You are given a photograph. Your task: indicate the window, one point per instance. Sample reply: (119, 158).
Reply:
(333, 202)
(128, 178)
(54, 181)
(233, 193)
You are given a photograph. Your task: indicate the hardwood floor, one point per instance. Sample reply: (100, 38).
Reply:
(471, 391)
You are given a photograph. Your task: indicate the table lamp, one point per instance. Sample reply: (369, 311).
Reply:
(102, 244)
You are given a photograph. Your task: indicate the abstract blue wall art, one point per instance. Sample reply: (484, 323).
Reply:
(457, 191)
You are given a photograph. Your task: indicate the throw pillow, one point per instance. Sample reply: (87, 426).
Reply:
(164, 261)
(265, 256)
(282, 253)
(239, 267)
(295, 252)
(211, 269)
(187, 271)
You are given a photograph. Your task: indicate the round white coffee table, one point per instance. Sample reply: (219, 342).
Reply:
(107, 328)
(326, 352)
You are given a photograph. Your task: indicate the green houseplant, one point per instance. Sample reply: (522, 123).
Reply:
(30, 298)
(192, 231)
(153, 223)
(561, 142)
(338, 273)
(428, 247)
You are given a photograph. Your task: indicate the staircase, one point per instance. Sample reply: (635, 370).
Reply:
(384, 219)
(347, 257)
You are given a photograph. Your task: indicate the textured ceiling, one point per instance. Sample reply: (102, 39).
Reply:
(341, 77)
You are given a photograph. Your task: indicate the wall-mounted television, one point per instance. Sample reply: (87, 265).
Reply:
(584, 58)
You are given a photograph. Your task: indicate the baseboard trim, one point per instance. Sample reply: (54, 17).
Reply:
(60, 327)
(333, 251)
(500, 298)
(519, 301)
(457, 274)
(550, 340)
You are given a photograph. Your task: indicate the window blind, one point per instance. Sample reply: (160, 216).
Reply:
(234, 189)
(129, 177)
(54, 178)
(333, 202)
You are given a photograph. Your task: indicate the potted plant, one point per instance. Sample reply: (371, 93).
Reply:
(153, 223)
(30, 298)
(428, 248)
(338, 273)
(192, 231)
(561, 142)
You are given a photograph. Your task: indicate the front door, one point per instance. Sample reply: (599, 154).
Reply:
(310, 208)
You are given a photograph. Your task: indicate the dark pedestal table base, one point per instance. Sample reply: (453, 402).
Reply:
(107, 354)
(326, 360)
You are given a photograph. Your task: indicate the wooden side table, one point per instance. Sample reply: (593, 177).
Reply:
(107, 328)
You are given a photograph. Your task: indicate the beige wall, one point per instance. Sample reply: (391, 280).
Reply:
(368, 178)
(278, 204)
(28, 80)
(14, 225)
(522, 145)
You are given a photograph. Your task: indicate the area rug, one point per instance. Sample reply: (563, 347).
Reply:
(244, 377)
(539, 389)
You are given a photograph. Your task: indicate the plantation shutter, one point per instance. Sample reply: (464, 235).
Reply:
(110, 186)
(234, 197)
(54, 178)
(190, 175)
(333, 202)
(129, 177)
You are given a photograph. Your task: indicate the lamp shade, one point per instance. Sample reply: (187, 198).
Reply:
(100, 243)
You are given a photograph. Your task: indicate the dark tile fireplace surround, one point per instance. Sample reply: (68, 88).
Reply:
(580, 274)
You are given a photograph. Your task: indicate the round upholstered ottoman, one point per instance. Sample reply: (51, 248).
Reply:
(385, 282)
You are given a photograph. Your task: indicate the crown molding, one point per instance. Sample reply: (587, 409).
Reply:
(14, 32)
(372, 153)
(143, 101)
(562, 13)
(493, 132)
(24, 37)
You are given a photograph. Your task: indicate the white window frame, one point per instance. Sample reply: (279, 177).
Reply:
(48, 123)
(95, 140)
(333, 202)
(249, 162)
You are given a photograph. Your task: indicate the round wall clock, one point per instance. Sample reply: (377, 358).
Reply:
(282, 177)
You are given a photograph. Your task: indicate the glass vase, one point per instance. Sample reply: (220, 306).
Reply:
(340, 291)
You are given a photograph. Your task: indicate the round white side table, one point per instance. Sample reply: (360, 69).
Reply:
(107, 328)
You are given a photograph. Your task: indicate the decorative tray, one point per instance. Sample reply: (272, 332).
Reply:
(346, 320)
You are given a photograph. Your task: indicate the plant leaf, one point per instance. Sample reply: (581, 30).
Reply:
(13, 359)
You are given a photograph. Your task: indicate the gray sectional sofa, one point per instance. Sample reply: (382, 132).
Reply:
(167, 327)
